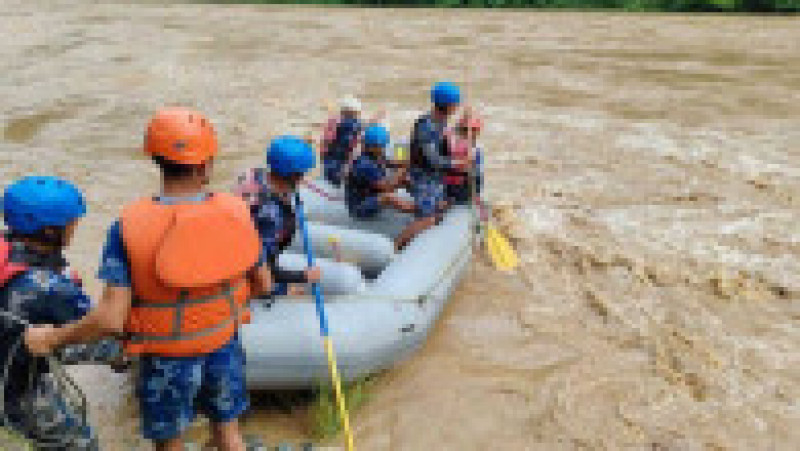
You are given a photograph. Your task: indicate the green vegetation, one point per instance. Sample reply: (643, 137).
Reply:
(758, 6)
(10, 440)
(324, 413)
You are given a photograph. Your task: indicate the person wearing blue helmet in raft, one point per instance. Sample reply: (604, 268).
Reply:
(429, 160)
(340, 139)
(368, 186)
(269, 193)
(37, 287)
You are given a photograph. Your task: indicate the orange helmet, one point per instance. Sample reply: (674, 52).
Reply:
(181, 135)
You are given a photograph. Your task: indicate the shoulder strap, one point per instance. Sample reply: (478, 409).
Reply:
(8, 268)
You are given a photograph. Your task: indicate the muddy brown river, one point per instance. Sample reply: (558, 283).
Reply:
(647, 167)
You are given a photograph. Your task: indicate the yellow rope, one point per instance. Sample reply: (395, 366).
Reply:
(337, 387)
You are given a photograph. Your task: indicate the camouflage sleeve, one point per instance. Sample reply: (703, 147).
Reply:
(108, 351)
(428, 138)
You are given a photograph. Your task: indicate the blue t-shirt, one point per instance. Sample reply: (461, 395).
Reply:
(115, 269)
(366, 172)
(274, 217)
(428, 158)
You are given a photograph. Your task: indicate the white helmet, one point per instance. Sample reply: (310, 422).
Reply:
(350, 103)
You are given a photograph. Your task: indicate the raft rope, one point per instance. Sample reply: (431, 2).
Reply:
(66, 386)
(319, 191)
(323, 325)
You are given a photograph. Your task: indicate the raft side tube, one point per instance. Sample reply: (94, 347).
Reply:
(338, 278)
(389, 222)
(371, 331)
(285, 349)
(428, 258)
(371, 252)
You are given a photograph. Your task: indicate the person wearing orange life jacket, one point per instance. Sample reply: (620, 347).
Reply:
(176, 291)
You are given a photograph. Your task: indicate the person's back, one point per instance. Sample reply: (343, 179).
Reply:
(361, 193)
(340, 140)
(179, 269)
(268, 191)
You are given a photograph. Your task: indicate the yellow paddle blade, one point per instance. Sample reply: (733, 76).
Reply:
(500, 250)
(400, 153)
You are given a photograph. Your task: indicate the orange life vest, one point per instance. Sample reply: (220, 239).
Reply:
(188, 271)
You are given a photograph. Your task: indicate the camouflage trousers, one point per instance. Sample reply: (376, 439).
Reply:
(44, 417)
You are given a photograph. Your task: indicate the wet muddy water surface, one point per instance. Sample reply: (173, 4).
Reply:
(646, 166)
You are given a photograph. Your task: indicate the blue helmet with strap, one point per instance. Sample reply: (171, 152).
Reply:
(376, 136)
(445, 93)
(289, 155)
(33, 203)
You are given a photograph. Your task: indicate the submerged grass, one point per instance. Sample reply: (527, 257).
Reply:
(324, 413)
(12, 441)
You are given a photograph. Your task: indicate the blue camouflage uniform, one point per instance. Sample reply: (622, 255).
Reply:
(276, 222)
(429, 163)
(339, 150)
(171, 389)
(361, 197)
(34, 403)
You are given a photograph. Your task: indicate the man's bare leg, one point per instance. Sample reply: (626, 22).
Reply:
(227, 436)
(392, 200)
(175, 444)
(412, 230)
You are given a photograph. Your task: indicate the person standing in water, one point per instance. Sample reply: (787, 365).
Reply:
(176, 292)
(269, 193)
(429, 160)
(37, 287)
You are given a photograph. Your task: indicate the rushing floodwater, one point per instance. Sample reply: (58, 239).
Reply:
(647, 165)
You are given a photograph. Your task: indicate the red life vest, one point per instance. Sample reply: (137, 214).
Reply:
(459, 150)
(8, 269)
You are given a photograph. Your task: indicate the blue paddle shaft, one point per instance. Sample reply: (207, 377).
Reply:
(320, 302)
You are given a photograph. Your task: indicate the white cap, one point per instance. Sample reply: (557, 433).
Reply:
(350, 103)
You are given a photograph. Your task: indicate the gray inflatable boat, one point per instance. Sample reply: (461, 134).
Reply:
(380, 305)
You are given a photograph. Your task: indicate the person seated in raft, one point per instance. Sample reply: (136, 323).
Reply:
(176, 291)
(340, 139)
(269, 193)
(37, 287)
(429, 161)
(465, 153)
(368, 186)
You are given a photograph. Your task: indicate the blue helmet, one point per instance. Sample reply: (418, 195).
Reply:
(289, 155)
(445, 93)
(33, 203)
(376, 136)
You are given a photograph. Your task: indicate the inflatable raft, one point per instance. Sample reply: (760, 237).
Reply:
(381, 305)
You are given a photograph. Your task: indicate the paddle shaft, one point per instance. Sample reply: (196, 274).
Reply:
(323, 326)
